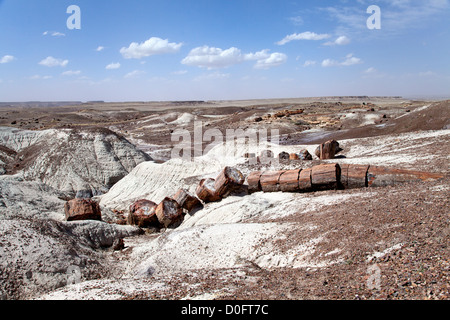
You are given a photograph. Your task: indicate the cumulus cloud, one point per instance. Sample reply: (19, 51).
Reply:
(53, 62)
(212, 58)
(113, 66)
(150, 47)
(340, 41)
(271, 60)
(100, 48)
(349, 61)
(7, 59)
(303, 36)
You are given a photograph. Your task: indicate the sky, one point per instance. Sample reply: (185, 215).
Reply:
(164, 50)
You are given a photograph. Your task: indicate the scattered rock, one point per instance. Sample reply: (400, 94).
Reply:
(305, 155)
(82, 209)
(328, 150)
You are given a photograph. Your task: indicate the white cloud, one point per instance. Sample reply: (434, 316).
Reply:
(53, 62)
(309, 63)
(134, 74)
(71, 73)
(7, 59)
(150, 47)
(349, 61)
(113, 66)
(370, 70)
(58, 34)
(211, 58)
(273, 60)
(53, 34)
(341, 41)
(303, 36)
(100, 48)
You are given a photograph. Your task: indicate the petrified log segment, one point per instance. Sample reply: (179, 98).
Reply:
(326, 176)
(143, 214)
(382, 176)
(354, 176)
(228, 180)
(82, 209)
(169, 212)
(253, 182)
(270, 181)
(186, 200)
(283, 156)
(304, 180)
(328, 150)
(293, 156)
(289, 181)
(205, 191)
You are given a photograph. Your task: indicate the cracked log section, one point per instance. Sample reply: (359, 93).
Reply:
(332, 177)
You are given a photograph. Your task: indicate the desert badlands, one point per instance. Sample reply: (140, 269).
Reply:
(72, 176)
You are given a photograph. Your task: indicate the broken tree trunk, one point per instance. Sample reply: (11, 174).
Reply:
(205, 191)
(289, 181)
(143, 214)
(326, 176)
(186, 200)
(169, 212)
(228, 180)
(304, 180)
(253, 182)
(270, 181)
(354, 176)
(382, 176)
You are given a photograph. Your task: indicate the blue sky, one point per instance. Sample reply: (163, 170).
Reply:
(228, 49)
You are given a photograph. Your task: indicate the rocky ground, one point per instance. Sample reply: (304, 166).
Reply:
(388, 242)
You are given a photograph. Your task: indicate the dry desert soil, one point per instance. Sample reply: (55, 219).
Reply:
(389, 242)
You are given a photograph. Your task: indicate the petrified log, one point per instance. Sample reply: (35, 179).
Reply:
(270, 181)
(143, 214)
(205, 191)
(328, 150)
(169, 212)
(293, 156)
(253, 182)
(82, 209)
(289, 181)
(283, 156)
(326, 176)
(354, 176)
(186, 200)
(304, 180)
(228, 180)
(382, 176)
